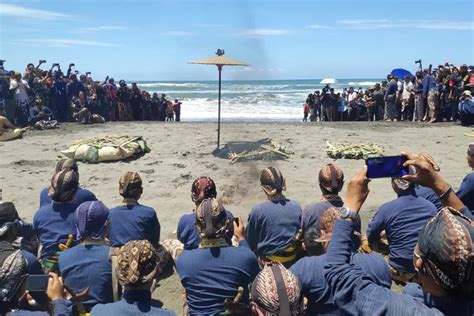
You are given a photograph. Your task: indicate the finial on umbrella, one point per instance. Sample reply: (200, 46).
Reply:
(220, 52)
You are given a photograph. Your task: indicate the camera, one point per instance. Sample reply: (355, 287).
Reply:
(88, 73)
(418, 61)
(1, 63)
(71, 65)
(55, 65)
(42, 61)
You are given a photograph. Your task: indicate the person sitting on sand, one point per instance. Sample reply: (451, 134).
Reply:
(331, 180)
(274, 227)
(131, 220)
(40, 112)
(87, 265)
(466, 109)
(401, 219)
(276, 291)
(5, 125)
(202, 188)
(466, 190)
(309, 270)
(138, 266)
(215, 270)
(81, 112)
(82, 195)
(54, 223)
(442, 257)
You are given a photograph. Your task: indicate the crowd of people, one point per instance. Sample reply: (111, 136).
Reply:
(286, 260)
(45, 95)
(442, 94)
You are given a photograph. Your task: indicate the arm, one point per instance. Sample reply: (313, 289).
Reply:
(251, 231)
(376, 225)
(467, 187)
(155, 233)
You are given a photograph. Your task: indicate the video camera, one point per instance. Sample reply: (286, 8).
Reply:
(41, 61)
(419, 63)
(88, 73)
(71, 65)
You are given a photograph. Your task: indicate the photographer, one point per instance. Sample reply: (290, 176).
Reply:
(4, 87)
(20, 88)
(60, 97)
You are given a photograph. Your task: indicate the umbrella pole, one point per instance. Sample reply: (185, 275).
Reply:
(219, 67)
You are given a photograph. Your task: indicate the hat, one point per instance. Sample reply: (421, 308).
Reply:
(12, 271)
(211, 219)
(272, 181)
(277, 290)
(38, 100)
(470, 149)
(203, 188)
(130, 185)
(8, 217)
(137, 263)
(446, 247)
(91, 219)
(64, 185)
(466, 93)
(331, 178)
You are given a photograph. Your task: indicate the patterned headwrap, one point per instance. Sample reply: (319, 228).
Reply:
(277, 291)
(211, 219)
(64, 185)
(203, 188)
(331, 178)
(272, 181)
(12, 271)
(8, 217)
(66, 164)
(91, 220)
(137, 262)
(470, 149)
(328, 219)
(130, 185)
(446, 246)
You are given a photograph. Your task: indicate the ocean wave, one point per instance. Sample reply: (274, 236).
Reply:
(171, 84)
(362, 83)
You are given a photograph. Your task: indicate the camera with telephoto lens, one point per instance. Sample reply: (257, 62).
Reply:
(418, 61)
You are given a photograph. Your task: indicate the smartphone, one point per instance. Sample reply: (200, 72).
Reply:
(386, 167)
(37, 282)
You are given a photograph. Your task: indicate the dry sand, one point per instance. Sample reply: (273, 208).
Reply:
(181, 152)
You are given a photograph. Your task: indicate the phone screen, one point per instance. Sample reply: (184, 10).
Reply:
(386, 167)
(37, 282)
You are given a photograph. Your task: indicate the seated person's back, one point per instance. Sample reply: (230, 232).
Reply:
(466, 190)
(402, 219)
(213, 272)
(87, 265)
(132, 221)
(55, 222)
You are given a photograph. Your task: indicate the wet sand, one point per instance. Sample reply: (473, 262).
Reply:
(183, 151)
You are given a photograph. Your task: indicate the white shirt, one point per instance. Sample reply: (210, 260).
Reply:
(407, 89)
(20, 89)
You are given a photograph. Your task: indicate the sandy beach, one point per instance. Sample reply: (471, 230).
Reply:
(181, 152)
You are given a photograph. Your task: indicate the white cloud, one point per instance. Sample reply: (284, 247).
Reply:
(101, 28)
(364, 24)
(24, 12)
(176, 33)
(64, 43)
(264, 32)
(318, 26)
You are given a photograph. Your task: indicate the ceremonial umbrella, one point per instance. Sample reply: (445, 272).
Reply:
(220, 61)
(401, 73)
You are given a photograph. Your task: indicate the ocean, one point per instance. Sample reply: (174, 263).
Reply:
(258, 100)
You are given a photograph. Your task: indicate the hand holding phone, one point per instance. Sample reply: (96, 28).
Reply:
(37, 282)
(386, 167)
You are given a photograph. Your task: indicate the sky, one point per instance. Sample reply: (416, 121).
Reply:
(293, 39)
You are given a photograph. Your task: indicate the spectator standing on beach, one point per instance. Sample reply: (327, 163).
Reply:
(351, 104)
(430, 94)
(177, 110)
(73, 87)
(419, 111)
(305, 111)
(136, 102)
(110, 90)
(20, 87)
(455, 86)
(124, 95)
(162, 108)
(4, 87)
(60, 97)
(391, 112)
(407, 99)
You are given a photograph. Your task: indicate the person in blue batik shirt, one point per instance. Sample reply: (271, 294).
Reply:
(466, 190)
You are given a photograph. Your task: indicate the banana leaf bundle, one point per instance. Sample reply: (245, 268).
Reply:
(353, 151)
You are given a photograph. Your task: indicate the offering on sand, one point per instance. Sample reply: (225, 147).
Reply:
(12, 134)
(266, 150)
(107, 148)
(353, 151)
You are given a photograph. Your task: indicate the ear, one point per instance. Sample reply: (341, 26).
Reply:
(419, 264)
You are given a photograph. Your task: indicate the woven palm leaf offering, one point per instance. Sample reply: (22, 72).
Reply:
(266, 149)
(353, 151)
(107, 148)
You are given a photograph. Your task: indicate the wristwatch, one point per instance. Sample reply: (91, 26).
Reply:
(348, 213)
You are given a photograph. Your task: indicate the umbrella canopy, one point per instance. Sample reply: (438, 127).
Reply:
(220, 61)
(401, 73)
